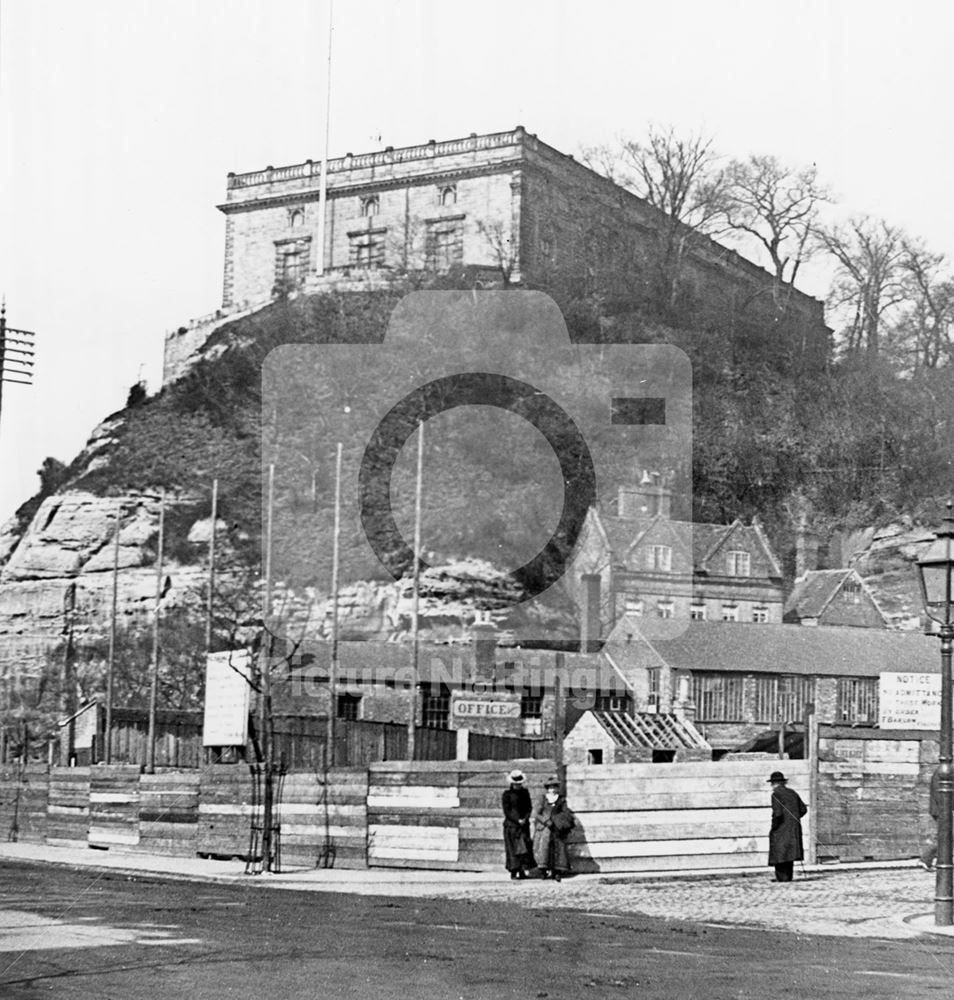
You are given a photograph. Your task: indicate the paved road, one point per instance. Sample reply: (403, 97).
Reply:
(67, 933)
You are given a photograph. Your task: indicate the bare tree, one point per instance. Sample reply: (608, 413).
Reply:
(776, 207)
(678, 175)
(871, 281)
(502, 246)
(924, 329)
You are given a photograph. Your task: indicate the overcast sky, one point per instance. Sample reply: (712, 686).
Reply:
(121, 118)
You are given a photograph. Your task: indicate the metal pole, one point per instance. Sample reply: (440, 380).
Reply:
(944, 886)
(330, 754)
(415, 620)
(210, 606)
(154, 686)
(323, 187)
(110, 666)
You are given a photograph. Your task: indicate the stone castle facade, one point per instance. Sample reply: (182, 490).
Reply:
(505, 208)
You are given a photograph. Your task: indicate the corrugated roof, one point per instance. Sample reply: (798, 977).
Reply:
(783, 649)
(654, 731)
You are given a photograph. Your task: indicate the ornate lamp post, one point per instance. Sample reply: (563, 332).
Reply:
(936, 576)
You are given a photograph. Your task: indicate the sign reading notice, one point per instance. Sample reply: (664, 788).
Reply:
(909, 701)
(225, 723)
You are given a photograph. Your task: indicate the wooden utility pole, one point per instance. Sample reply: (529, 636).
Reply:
(416, 600)
(16, 354)
(210, 604)
(330, 754)
(265, 685)
(154, 686)
(111, 664)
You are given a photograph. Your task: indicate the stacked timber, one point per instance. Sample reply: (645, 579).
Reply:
(659, 817)
(413, 815)
(481, 785)
(324, 820)
(67, 814)
(114, 805)
(225, 811)
(169, 813)
(23, 802)
(869, 791)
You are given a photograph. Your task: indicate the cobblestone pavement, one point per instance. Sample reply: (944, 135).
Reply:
(856, 903)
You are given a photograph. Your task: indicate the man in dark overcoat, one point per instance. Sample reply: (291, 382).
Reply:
(785, 837)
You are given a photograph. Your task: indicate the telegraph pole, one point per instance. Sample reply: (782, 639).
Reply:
(16, 354)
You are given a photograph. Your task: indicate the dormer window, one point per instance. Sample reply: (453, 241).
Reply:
(851, 592)
(447, 195)
(738, 563)
(370, 206)
(660, 558)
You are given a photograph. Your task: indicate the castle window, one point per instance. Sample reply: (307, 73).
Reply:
(296, 218)
(370, 206)
(447, 195)
(367, 248)
(697, 612)
(665, 609)
(660, 558)
(738, 563)
(730, 612)
(444, 245)
(291, 264)
(760, 614)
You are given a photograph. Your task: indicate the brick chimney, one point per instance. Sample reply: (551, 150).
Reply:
(806, 549)
(590, 613)
(485, 650)
(647, 499)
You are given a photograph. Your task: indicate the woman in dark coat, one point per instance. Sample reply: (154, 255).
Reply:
(785, 837)
(517, 807)
(553, 821)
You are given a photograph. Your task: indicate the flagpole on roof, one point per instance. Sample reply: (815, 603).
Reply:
(323, 188)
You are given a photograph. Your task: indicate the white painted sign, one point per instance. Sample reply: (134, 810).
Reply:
(909, 701)
(227, 691)
(476, 709)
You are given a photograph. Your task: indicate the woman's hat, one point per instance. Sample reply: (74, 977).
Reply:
(516, 777)
(552, 782)
(778, 776)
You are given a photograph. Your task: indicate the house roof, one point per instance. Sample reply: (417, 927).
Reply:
(815, 590)
(707, 539)
(645, 729)
(783, 649)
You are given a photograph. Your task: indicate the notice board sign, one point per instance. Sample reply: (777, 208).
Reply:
(495, 714)
(225, 722)
(909, 701)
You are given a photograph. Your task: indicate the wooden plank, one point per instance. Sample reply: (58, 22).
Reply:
(664, 800)
(693, 772)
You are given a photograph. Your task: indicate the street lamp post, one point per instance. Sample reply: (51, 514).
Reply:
(935, 572)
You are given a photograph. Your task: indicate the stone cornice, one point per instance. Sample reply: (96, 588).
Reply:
(306, 195)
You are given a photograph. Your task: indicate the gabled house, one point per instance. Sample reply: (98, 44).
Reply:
(833, 597)
(643, 563)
